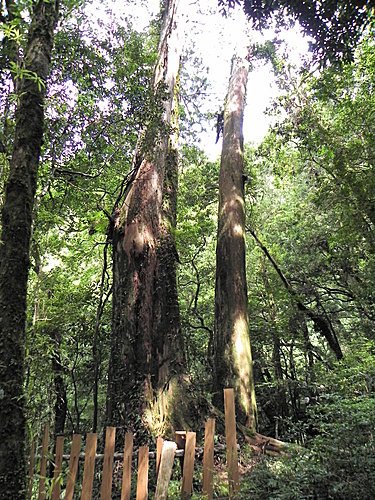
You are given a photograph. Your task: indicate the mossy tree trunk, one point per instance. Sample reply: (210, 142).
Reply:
(15, 244)
(232, 351)
(147, 354)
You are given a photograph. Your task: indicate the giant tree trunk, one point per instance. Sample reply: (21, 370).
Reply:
(147, 357)
(14, 249)
(232, 351)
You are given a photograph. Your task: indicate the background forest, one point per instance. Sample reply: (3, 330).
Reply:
(309, 190)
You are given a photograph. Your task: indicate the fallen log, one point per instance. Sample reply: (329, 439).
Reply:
(261, 444)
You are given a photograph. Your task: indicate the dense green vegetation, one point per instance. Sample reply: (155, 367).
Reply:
(310, 202)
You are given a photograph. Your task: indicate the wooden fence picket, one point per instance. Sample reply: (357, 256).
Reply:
(73, 466)
(231, 441)
(208, 458)
(109, 449)
(142, 476)
(127, 467)
(58, 467)
(188, 471)
(89, 467)
(159, 449)
(165, 470)
(43, 464)
(185, 443)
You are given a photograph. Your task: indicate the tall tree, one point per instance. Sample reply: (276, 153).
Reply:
(15, 243)
(147, 354)
(232, 351)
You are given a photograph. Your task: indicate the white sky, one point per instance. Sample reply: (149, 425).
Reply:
(214, 39)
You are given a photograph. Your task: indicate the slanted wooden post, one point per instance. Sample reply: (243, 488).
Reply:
(43, 464)
(189, 457)
(231, 441)
(165, 470)
(127, 467)
(142, 478)
(89, 467)
(159, 449)
(109, 449)
(31, 470)
(73, 466)
(208, 458)
(58, 465)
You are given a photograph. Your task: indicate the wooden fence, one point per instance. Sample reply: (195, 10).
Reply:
(166, 451)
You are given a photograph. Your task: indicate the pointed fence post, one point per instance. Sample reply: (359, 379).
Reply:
(106, 487)
(208, 458)
(231, 441)
(57, 469)
(43, 464)
(127, 467)
(188, 471)
(159, 449)
(73, 466)
(89, 467)
(142, 477)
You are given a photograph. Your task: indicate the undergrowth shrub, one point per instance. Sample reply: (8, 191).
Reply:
(339, 462)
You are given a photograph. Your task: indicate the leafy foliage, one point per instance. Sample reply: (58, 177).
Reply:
(335, 25)
(339, 462)
(310, 201)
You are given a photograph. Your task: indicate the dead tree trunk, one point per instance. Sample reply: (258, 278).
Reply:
(147, 353)
(15, 244)
(232, 352)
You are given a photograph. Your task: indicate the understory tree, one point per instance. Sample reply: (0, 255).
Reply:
(311, 231)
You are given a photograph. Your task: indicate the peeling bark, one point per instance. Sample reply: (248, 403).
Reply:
(232, 351)
(14, 249)
(147, 354)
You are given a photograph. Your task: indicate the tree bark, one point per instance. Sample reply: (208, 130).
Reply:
(232, 351)
(14, 248)
(147, 353)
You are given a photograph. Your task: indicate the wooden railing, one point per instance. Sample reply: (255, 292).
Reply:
(184, 446)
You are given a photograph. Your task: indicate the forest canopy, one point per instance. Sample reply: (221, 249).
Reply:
(139, 277)
(335, 25)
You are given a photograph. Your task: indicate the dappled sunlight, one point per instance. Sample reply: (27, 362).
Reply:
(234, 107)
(137, 238)
(242, 359)
(235, 202)
(159, 411)
(238, 230)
